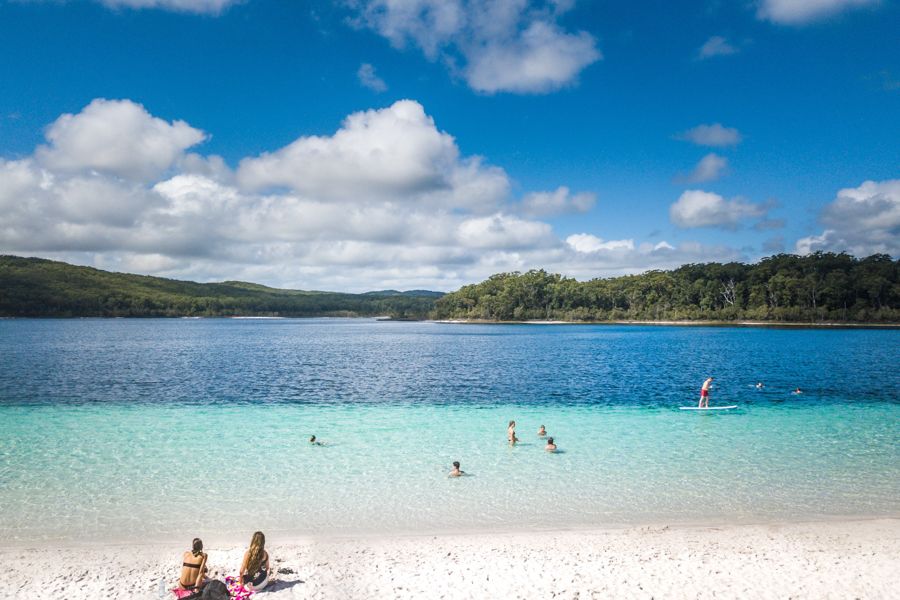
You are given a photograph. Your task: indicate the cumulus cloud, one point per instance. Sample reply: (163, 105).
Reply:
(394, 153)
(710, 168)
(387, 200)
(368, 78)
(799, 12)
(542, 58)
(558, 202)
(116, 137)
(711, 135)
(696, 208)
(863, 220)
(504, 232)
(496, 46)
(213, 7)
(715, 46)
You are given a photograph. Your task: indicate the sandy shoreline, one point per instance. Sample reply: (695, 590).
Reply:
(835, 559)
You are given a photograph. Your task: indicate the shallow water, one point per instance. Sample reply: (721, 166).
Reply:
(149, 429)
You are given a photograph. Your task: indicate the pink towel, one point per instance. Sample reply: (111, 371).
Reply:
(237, 591)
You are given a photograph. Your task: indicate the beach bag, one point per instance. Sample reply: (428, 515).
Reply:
(215, 590)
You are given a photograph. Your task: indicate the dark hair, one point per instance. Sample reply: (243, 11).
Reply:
(456, 463)
(312, 438)
(196, 546)
(549, 440)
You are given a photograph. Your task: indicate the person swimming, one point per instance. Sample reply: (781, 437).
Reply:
(315, 442)
(797, 391)
(759, 385)
(455, 472)
(511, 433)
(550, 447)
(542, 432)
(193, 566)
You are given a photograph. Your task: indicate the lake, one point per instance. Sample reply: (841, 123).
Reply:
(135, 430)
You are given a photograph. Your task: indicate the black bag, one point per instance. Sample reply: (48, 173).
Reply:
(215, 590)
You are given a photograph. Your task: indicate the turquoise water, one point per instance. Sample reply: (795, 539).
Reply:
(151, 429)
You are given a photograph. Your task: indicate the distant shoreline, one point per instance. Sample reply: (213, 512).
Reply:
(774, 324)
(381, 318)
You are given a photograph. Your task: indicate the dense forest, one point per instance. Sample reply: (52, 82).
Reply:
(815, 288)
(33, 287)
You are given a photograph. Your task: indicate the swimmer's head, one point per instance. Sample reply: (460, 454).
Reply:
(512, 423)
(455, 464)
(312, 439)
(549, 440)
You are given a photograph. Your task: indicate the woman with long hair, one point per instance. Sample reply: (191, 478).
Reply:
(193, 565)
(255, 567)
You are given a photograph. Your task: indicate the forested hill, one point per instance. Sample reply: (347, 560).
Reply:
(33, 287)
(815, 288)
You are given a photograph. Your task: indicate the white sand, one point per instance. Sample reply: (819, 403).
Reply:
(847, 559)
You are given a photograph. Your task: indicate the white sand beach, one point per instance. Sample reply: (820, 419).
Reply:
(841, 559)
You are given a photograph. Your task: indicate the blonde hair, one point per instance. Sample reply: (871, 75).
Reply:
(255, 554)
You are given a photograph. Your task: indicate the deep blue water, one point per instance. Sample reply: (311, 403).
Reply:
(337, 361)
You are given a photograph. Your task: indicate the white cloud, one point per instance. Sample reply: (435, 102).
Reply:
(497, 46)
(116, 137)
(710, 168)
(715, 46)
(394, 153)
(798, 12)
(863, 220)
(368, 78)
(587, 243)
(696, 208)
(386, 201)
(711, 135)
(557, 202)
(213, 7)
(541, 59)
(504, 232)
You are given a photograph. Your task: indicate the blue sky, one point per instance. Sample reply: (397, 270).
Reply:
(365, 144)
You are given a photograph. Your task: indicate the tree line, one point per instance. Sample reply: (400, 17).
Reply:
(818, 287)
(33, 287)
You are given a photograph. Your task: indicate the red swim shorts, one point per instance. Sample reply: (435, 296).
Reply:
(704, 393)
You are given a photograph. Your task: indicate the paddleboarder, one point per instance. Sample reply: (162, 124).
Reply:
(704, 393)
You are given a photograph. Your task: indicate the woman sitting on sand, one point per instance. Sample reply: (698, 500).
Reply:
(255, 566)
(193, 566)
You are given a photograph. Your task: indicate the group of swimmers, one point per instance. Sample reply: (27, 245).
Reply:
(513, 440)
(254, 571)
(707, 385)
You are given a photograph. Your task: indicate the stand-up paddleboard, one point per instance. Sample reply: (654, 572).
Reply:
(707, 407)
